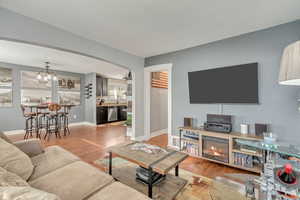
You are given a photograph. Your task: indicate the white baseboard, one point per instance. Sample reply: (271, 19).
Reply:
(17, 132)
(141, 138)
(159, 132)
(14, 132)
(82, 123)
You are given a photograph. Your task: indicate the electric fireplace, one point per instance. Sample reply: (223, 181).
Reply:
(215, 148)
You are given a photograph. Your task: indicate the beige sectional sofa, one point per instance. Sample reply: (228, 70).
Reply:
(59, 172)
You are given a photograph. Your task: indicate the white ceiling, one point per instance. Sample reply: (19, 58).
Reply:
(36, 56)
(151, 27)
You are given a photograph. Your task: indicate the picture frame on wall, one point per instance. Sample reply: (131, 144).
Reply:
(69, 89)
(5, 97)
(5, 77)
(69, 97)
(68, 82)
(6, 87)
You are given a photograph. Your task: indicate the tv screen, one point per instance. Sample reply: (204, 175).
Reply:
(234, 84)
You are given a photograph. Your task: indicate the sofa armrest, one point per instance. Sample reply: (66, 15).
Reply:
(31, 147)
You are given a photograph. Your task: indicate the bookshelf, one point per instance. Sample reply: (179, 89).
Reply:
(191, 142)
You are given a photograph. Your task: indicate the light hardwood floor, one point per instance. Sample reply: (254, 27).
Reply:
(90, 143)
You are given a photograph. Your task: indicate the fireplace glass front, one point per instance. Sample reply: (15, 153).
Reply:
(215, 148)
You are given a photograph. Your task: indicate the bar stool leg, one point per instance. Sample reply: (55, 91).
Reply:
(26, 129)
(67, 125)
(47, 128)
(31, 126)
(37, 127)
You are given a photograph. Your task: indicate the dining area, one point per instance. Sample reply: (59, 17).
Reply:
(44, 120)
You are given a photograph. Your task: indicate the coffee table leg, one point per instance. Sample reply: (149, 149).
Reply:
(150, 183)
(110, 164)
(176, 170)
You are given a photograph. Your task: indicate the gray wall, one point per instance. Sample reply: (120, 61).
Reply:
(21, 28)
(159, 109)
(278, 103)
(11, 117)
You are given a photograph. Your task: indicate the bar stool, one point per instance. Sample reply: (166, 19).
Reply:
(42, 119)
(30, 119)
(64, 117)
(53, 122)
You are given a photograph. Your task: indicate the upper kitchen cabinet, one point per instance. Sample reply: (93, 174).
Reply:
(101, 86)
(117, 87)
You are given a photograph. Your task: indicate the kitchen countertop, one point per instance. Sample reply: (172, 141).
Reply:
(111, 104)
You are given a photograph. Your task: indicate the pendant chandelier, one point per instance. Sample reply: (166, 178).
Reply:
(46, 75)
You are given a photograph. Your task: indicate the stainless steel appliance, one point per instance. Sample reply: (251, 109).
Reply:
(112, 114)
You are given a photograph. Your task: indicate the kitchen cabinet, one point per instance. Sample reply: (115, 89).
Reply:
(101, 86)
(106, 114)
(117, 87)
(102, 115)
(122, 113)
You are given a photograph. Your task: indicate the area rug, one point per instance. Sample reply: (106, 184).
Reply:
(197, 187)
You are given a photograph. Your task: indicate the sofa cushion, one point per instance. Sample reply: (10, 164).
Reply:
(53, 158)
(25, 193)
(73, 182)
(14, 160)
(118, 191)
(10, 179)
(4, 137)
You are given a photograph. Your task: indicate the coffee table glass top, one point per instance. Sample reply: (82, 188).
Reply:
(161, 162)
(278, 147)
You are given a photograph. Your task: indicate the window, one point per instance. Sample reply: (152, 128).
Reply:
(34, 91)
(5, 87)
(69, 90)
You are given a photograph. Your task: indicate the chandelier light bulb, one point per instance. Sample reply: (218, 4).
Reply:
(39, 76)
(55, 78)
(45, 78)
(49, 76)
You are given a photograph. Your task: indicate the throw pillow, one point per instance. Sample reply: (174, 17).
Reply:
(10, 179)
(25, 193)
(14, 160)
(4, 137)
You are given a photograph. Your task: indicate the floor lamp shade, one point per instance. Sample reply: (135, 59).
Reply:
(290, 65)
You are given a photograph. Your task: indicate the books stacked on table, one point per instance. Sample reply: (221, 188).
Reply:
(142, 175)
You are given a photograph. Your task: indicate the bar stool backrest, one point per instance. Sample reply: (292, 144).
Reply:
(54, 107)
(23, 110)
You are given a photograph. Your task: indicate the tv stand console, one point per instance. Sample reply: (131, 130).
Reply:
(220, 148)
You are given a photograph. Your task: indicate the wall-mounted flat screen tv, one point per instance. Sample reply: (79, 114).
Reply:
(233, 84)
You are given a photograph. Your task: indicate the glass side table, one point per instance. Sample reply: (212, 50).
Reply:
(275, 156)
(278, 147)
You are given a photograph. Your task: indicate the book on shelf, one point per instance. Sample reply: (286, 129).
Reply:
(248, 150)
(175, 142)
(190, 148)
(243, 160)
(190, 135)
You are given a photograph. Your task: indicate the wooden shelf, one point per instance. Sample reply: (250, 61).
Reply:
(190, 154)
(247, 153)
(254, 169)
(230, 137)
(190, 140)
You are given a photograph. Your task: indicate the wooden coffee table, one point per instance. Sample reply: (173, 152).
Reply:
(160, 163)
